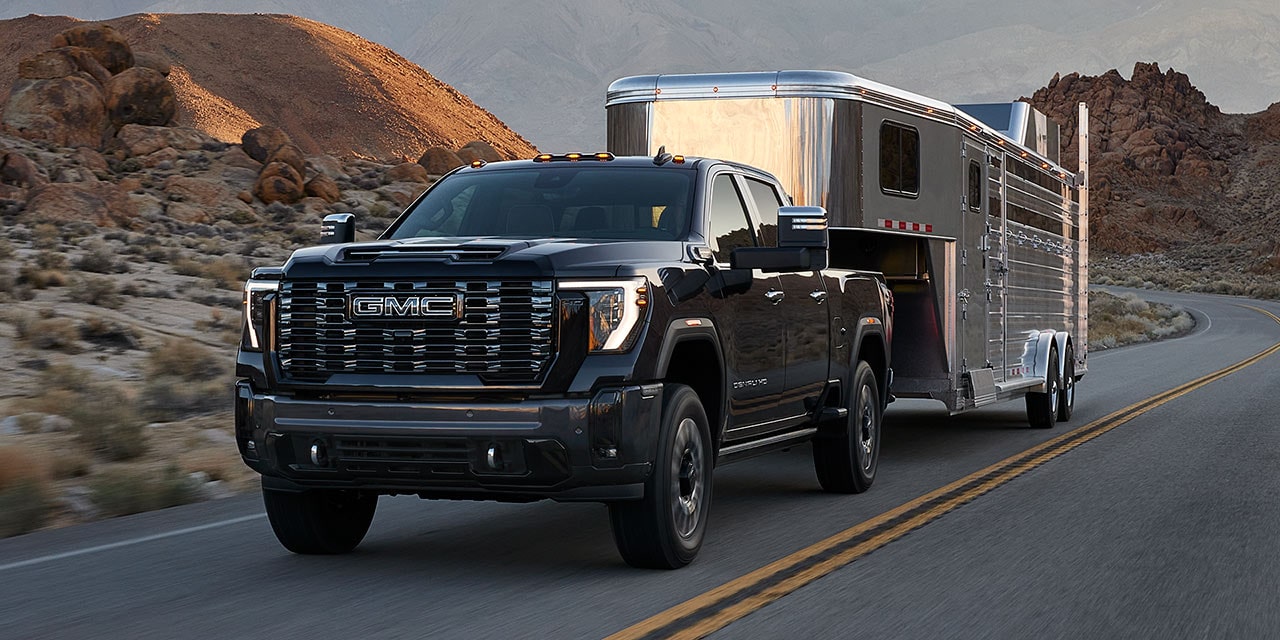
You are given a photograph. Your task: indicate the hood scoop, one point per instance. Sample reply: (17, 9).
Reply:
(452, 253)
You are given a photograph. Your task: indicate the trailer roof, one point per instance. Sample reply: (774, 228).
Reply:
(806, 84)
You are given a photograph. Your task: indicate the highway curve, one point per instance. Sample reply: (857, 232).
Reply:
(1152, 514)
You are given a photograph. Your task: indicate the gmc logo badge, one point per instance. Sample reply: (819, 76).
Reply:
(392, 307)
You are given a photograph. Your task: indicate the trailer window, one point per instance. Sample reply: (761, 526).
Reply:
(899, 159)
(975, 186)
(730, 226)
(767, 203)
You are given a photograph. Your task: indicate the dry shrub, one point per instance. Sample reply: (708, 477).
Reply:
(104, 417)
(70, 463)
(218, 463)
(228, 272)
(121, 492)
(100, 292)
(100, 258)
(59, 334)
(38, 278)
(186, 267)
(184, 378)
(25, 501)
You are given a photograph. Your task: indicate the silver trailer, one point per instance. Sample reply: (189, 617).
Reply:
(981, 234)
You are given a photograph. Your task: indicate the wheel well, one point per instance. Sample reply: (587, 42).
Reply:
(694, 363)
(872, 351)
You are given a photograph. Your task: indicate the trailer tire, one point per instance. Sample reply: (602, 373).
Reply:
(846, 458)
(664, 530)
(1067, 393)
(319, 521)
(1042, 407)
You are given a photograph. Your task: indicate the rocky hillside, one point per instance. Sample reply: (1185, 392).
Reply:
(1183, 194)
(331, 91)
(124, 239)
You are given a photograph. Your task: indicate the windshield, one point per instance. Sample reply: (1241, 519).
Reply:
(616, 203)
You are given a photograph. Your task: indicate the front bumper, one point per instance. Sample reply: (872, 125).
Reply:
(570, 449)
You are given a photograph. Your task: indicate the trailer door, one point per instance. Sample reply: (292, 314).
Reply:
(996, 260)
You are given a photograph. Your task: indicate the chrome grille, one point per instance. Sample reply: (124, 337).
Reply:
(503, 331)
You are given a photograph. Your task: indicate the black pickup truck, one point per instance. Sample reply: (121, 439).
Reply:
(577, 327)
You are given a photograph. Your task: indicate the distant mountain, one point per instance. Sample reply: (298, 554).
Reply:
(330, 90)
(543, 66)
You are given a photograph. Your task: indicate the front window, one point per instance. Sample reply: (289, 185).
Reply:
(610, 203)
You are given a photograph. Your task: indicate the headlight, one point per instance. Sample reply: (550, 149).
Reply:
(255, 312)
(617, 307)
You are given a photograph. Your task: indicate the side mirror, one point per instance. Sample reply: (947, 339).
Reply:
(802, 244)
(338, 228)
(802, 227)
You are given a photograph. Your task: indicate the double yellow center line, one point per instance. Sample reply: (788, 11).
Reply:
(716, 609)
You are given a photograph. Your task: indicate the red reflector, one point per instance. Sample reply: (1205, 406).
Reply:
(693, 323)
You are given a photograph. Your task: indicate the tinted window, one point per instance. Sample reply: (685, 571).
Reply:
(730, 226)
(899, 159)
(555, 201)
(975, 186)
(767, 203)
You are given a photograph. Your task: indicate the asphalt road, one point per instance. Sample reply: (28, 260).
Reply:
(1165, 526)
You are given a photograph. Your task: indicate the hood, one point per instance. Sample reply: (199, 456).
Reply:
(481, 257)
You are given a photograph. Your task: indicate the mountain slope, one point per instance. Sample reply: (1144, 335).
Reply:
(331, 90)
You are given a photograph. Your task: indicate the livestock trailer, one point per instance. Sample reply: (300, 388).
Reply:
(981, 234)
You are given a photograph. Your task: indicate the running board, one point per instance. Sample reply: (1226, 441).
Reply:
(754, 448)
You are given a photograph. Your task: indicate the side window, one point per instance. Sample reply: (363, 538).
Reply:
(767, 203)
(730, 226)
(975, 186)
(899, 159)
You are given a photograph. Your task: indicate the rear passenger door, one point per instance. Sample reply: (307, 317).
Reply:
(744, 305)
(804, 310)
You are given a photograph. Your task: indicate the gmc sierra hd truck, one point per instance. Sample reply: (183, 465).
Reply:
(578, 327)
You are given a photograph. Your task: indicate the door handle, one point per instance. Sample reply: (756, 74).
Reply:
(818, 296)
(775, 296)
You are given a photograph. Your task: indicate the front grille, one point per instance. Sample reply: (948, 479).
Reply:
(401, 455)
(502, 330)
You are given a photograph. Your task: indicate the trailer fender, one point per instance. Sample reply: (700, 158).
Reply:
(1040, 366)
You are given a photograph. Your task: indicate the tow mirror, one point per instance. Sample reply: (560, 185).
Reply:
(802, 244)
(338, 228)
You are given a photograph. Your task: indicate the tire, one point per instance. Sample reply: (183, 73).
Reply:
(846, 458)
(1067, 392)
(664, 530)
(1042, 408)
(319, 522)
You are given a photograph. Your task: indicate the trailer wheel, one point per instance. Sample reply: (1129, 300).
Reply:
(1042, 408)
(845, 459)
(319, 521)
(1067, 394)
(664, 530)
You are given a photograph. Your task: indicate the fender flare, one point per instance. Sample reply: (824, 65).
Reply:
(864, 331)
(678, 331)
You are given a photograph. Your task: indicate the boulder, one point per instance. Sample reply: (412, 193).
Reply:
(84, 61)
(46, 66)
(278, 182)
(439, 161)
(206, 193)
(483, 150)
(21, 171)
(152, 61)
(108, 46)
(468, 155)
(291, 155)
(324, 187)
(140, 140)
(139, 95)
(61, 202)
(189, 213)
(90, 159)
(260, 142)
(402, 193)
(163, 159)
(328, 165)
(68, 112)
(408, 172)
(236, 157)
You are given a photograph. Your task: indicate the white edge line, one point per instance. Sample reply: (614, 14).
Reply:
(126, 543)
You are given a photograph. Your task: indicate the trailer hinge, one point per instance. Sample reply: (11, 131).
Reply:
(964, 257)
(964, 303)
